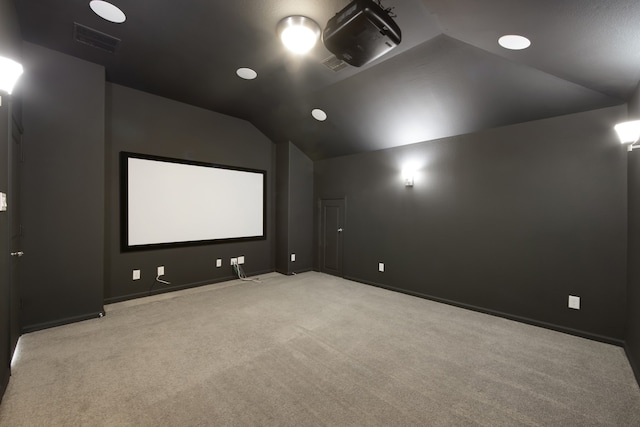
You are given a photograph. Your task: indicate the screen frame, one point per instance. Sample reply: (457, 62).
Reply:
(124, 203)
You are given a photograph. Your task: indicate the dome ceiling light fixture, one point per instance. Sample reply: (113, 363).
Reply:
(108, 11)
(514, 42)
(298, 33)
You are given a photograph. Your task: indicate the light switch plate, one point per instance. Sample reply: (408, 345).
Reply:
(381, 267)
(293, 257)
(3, 202)
(219, 262)
(136, 274)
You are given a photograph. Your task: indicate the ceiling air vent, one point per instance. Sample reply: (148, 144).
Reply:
(95, 38)
(334, 64)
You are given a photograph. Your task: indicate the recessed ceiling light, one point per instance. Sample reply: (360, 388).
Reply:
(299, 34)
(514, 42)
(106, 10)
(246, 73)
(319, 115)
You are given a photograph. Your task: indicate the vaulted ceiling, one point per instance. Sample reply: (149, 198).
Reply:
(447, 77)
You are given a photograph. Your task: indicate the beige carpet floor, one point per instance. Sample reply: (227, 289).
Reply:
(312, 350)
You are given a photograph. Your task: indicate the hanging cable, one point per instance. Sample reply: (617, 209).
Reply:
(242, 276)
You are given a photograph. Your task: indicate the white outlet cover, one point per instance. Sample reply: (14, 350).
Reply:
(381, 267)
(219, 262)
(574, 302)
(161, 270)
(293, 257)
(234, 261)
(136, 274)
(3, 201)
(241, 260)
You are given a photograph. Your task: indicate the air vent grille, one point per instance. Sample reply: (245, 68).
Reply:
(95, 38)
(334, 64)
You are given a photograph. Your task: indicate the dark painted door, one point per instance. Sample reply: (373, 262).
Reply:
(15, 233)
(331, 236)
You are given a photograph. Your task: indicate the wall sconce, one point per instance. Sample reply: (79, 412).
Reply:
(299, 34)
(408, 175)
(10, 71)
(629, 133)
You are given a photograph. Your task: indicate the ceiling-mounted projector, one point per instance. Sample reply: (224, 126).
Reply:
(361, 32)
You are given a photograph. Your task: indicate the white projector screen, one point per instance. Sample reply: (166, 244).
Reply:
(170, 202)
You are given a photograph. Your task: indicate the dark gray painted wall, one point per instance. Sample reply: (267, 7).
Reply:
(10, 40)
(632, 338)
(295, 210)
(10, 46)
(510, 220)
(300, 210)
(4, 252)
(282, 208)
(148, 124)
(62, 188)
(634, 105)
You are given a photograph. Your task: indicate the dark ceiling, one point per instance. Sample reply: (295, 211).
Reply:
(447, 77)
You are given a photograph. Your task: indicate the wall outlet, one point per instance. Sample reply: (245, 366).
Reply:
(574, 302)
(293, 257)
(234, 261)
(381, 267)
(241, 260)
(219, 262)
(161, 270)
(136, 274)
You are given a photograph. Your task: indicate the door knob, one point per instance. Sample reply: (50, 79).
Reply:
(18, 254)
(339, 230)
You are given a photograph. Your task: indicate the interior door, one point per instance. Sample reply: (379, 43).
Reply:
(15, 233)
(331, 236)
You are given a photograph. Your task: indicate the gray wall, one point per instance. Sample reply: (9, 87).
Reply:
(10, 46)
(148, 124)
(294, 210)
(10, 39)
(62, 188)
(282, 208)
(633, 291)
(509, 221)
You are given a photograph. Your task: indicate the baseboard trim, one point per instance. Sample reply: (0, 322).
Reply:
(46, 325)
(165, 290)
(522, 319)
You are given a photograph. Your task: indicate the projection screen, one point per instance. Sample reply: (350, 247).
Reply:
(170, 202)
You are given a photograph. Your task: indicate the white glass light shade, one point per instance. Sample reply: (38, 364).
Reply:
(408, 174)
(299, 34)
(10, 71)
(628, 132)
